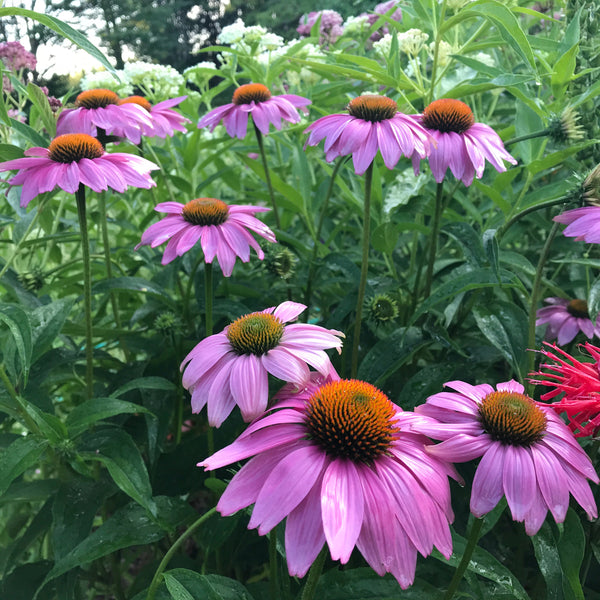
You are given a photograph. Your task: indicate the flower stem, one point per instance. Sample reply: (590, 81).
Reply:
(527, 136)
(526, 211)
(165, 561)
(263, 156)
(313, 259)
(27, 418)
(208, 299)
(466, 557)
(308, 593)
(87, 291)
(364, 267)
(273, 578)
(435, 232)
(535, 296)
(114, 300)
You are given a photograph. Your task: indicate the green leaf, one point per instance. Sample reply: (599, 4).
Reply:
(17, 321)
(47, 322)
(96, 409)
(182, 584)
(379, 363)
(29, 133)
(564, 70)
(40, 101)
(130, 525)
(10, 152)
(506, 23)
(145, 383)
(385, 237)
(471, 280)
(135, 284)
(505, 326)
(571, 546)
(593, 300)
(22, 454)
(62, 29)
(556, 158)
(469, 240)
(117, 451)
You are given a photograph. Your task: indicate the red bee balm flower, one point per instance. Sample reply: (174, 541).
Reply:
(75, 158)
(462, 144)
(343, 464)
(580, 384)
(255, 99)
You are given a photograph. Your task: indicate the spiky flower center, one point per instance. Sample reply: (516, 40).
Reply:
(251, 92)
(383, 308)
(139, 100)
(256, 333)
(96, 98)
(72, 147)
(351, 419)
(371, 107)
(447, 115)
(512, 418)
(578, 308)
(205, 211)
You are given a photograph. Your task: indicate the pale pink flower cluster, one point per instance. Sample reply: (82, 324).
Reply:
(15, 57)
(330, 28)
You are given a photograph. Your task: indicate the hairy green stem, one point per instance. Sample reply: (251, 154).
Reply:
(87, 291)
(435, 232)
(313, 259)
(273, 578)
(114, 300)
(535, 296)
(178, 542)
(527, 136)
(466, 557)
(364, 267)
(525, 212)
(308, 593)
(12, 392)
(263, 156)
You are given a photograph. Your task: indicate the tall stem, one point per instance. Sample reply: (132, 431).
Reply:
(364, 267)
(263, 156)
(435, 232)
(22, 406)
(114, 301)
(527, 136)
(165, 561)
(273, 578)
(87, 291)
(208, 327)
(535, 296)
(466, 557)
(313, 259)
(308, 593)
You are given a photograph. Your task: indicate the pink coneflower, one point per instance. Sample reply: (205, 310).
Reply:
(100, 109)
(582, 223)
(73, 159)
(579, 382)
(221, 228)
(165, 121)
(462, 144)
(232, 367)
(373, 123)
(342, 463)
(566, 318)
(255, 99)
(527, 453)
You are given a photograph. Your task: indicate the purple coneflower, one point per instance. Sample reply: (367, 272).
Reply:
(582, 223)
(221, 228)
(73, 159)
(372, 123)
(566, 318)
(255, 99)
(100, 109)
(232, 367)
(165, 121)
(527, 453)
(462, 144)
(343, 464)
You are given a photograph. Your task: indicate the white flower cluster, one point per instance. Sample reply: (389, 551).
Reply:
(103, 79)
(412, 41)
(200, 73)
(444, 51)
(156, 82)
(354, 25)
(252, 40)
